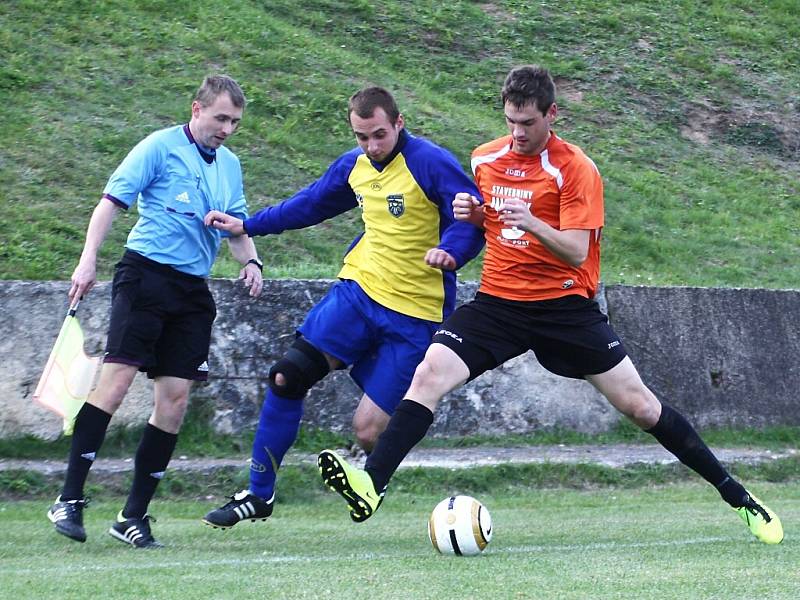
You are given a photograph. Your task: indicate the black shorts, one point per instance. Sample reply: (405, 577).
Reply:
(569, 335)
(160, 319)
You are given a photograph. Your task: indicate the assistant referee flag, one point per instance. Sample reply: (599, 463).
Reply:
(68, 375)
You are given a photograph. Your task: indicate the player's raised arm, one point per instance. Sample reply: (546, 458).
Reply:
(570, 245)
(467, 207)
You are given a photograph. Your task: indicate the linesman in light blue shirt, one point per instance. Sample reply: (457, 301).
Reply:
(161, 308)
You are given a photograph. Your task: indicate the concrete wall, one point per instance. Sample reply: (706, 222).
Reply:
(722, 356)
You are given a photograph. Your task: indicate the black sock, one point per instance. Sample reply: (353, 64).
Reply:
(675, 433)
(87, 437)
(152, 457)
(406, 428)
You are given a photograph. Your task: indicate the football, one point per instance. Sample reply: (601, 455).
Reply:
(460, 525)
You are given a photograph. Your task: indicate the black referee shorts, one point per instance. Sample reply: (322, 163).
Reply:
(160, 319)
(569, 335)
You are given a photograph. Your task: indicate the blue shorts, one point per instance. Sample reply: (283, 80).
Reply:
(383, 346)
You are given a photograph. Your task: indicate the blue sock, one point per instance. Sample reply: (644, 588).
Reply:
(277, 431)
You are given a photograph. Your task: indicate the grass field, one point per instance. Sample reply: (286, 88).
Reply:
(677, 541)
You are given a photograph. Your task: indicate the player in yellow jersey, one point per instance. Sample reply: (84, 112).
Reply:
(542, 211)
(395, 288)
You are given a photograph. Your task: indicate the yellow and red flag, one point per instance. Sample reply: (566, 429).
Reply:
(69, 373)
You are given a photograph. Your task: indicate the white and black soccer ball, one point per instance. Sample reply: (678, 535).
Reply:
(460, 525)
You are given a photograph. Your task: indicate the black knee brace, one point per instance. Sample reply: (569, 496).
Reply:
(302, 366)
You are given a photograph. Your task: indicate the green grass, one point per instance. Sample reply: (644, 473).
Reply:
(662, 543)
(299, 482)
(687, 107)
(626, 433)
(196, 441)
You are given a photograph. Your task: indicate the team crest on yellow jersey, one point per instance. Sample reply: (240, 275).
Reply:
(396, 204)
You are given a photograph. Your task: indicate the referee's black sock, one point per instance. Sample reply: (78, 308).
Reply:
(152, 457)
(677, 435)
(87, 437)
(408, 425)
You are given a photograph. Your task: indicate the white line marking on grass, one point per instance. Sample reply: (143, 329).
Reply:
(611, 545)
(260, 560)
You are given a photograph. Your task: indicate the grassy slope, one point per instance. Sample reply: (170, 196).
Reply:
(689, 109)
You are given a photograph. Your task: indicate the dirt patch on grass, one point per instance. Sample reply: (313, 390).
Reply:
(568, 90)
(497, 12)
(745, 125)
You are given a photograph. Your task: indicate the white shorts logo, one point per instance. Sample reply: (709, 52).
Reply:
(203, 367)
(449, 334)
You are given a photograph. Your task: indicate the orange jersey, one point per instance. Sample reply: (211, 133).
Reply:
(563, 188)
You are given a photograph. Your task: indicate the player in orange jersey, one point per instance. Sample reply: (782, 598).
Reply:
(542, 211)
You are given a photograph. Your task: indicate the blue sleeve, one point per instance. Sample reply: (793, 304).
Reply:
(441, 177)
(238, 199)
(137, 171)
(328, 196)
(236, 204)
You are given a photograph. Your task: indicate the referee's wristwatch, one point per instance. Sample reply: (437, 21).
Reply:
(256, 262)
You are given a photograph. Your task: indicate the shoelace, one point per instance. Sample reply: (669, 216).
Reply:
(236, 499)
(73, 506)
(755, 508)
(145, 527)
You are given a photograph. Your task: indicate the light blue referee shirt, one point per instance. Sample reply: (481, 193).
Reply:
(176, 184)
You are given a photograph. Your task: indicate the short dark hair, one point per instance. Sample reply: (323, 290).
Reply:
(364, 102)
(529, 84)
(214, 85)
